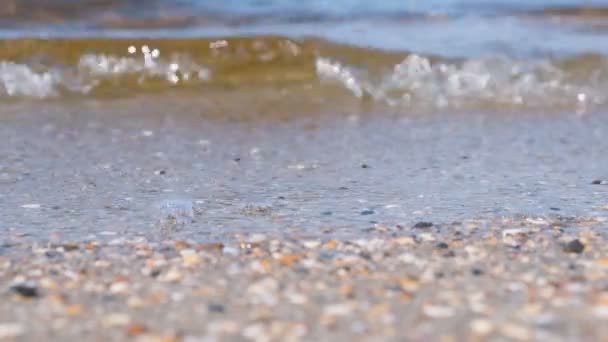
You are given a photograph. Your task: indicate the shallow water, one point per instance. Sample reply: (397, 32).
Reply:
(209, 117)
(413, 56)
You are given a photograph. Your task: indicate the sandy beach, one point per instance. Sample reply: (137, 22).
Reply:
(208, 229)
(510, 279)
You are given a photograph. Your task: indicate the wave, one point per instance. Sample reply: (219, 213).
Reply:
(108, 68)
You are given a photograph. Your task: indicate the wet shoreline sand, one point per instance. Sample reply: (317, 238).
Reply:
(520, 279)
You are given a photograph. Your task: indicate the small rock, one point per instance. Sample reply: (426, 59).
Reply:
(367, 212)
(216, 308)
(311, 244)
(477, 272)
(481, 326)
(423, 225)
(574, 246)
(11, 330)
(136, 329)
(341, 309)
(73, 310)
(516, 332)
(26, 290)
(257, 238)
(116, 320)
(600, 182)
(442, 245)
(119, 287)
(436, 311)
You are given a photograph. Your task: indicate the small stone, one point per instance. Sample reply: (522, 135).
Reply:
(367, 212)
(289, 259)
(171, 276)
(119, 287)
(516, 332)
(481, 326)
(136, 329)
(216, 308)
(11, 330)
(331, 244)
(190, 258)
(477, 272)
(442, 245)
(311, 244)
(73, 310)
(116, 320)
(436, 311)
(340, 309)
(423, 225)
(574, 246)
(600, 182)
(26, 290)
(364, 166)
(224, 327)
(405, 241)
(257, 238)
(135, 303)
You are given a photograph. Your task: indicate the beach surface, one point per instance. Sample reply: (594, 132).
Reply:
(179, 225)
(188, 170)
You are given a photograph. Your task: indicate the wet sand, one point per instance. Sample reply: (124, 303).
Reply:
(509, 279)
(144, 219)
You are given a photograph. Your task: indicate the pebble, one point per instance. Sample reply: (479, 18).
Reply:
(116, 320)
(481, 326)
(574, 246)
(339, 309)
(11, 330)
(26, 290)
(516, 332)
(436, 311)
(311, 244)
(423, 225)
(257, 238)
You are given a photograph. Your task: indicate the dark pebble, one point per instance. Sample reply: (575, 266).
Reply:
(442, 245)
(449, 254)
(554, 208)
(237, 159)
(423, 224)
(27, 291)
(477, 272)
(599, 182)
(342, 188)
(574, 246)
(327, 213)
(367, 212)
(364, 166)
(217, 308)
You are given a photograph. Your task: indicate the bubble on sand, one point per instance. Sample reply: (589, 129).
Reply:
(175, 212)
